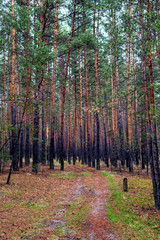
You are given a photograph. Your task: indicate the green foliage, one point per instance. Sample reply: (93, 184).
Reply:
(84, 40)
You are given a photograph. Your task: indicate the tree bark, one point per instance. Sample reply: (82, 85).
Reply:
(96, 87)
(154, 158)
(64, 92)
(53, 90)
(14, 147)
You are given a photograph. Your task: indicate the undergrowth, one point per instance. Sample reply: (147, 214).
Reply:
(133, 211)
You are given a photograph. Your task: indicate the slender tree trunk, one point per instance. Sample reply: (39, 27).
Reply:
(112, 57)
(28, 91)
(144, 149)
(36, 136)
(154, 158)
(136, 138)
(14, 150)
(42, 133)
(86, 107)
(75, 119)
(69, 122)
(4, 95)
(80, 107)
(21, 149)
(64, 92)
(43, 156)
(128, 98)
(96, 88)
(158, 45)
(53, 88)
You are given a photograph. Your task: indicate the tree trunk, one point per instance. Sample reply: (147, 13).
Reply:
(69, 121)
(4, 95)
(14, 150)
(64, 92)
(128, 98)
(154, 158)
(96, 87)
(28, 91)
(80, 107)
(36, 137)
(53, 88)
(144, 138)
(75, 118)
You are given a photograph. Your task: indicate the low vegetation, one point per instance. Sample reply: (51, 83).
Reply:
(86, 174)
(132, 212)
(55, 205)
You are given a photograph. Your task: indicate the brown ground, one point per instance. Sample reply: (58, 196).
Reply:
(23, 216)
(100, 227)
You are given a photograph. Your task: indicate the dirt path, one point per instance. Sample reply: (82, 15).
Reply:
(100, 228)
(50, 205)
(93, 187)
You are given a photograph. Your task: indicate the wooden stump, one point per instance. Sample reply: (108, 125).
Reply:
(125, 185)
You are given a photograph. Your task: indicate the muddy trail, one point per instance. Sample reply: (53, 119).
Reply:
(93, 187)
(55, 205)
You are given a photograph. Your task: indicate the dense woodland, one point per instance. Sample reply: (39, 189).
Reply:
(80, 81)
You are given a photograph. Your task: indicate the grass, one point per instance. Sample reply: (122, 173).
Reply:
(86, 174)
(65, 175)
(132, 211)
(74, 218)
(37, 206)
(77, 214)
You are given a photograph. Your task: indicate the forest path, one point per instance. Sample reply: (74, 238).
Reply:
(90, 185)
(100, 227)
(55, 205)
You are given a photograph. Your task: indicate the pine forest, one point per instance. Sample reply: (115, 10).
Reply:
(80, 104)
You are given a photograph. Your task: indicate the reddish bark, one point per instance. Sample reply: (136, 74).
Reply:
(4, 95)
(80, 105)
(64, 91)
(53, 88)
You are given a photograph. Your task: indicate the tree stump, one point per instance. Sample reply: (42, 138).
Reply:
(125, 185)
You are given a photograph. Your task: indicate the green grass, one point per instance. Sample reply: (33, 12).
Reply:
(130, 210)
(65, 175)
(77, 213)
(86, 174)
(37, 206)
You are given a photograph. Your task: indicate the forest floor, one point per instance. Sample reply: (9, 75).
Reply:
(79, 203)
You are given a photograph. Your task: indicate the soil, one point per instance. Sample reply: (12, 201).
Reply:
(100, 227)
(91, 186)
